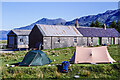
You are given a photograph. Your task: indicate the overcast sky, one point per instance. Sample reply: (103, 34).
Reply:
(20, 14)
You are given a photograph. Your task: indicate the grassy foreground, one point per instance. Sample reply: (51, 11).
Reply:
(57, 56)
(3, 41)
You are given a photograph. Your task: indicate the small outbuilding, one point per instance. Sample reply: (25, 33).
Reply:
(18, 39)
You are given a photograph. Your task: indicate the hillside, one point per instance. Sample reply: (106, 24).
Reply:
(107, 18)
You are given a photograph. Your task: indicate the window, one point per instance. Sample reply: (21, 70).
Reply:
(92, 39)
(75, 39)
(21, 40)
(108, 40)
(59, 39)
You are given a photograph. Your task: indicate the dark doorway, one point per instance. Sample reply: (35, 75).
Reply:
(113, 40)
(100, 41)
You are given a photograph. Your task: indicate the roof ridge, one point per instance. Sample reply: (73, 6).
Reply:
(52, 25)
(95, 27)
(20, 30)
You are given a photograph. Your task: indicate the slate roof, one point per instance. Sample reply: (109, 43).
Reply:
(20, 32)
(58, 30)
(98, 32)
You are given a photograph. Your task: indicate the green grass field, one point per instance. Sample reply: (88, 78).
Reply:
(3, 41)
(57, 56)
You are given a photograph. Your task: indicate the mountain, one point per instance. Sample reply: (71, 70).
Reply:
(106, 17)
(3, 34)
(46, 21)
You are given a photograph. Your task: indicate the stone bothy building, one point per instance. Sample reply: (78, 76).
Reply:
(54, 36)
(59, 36)
(18, 39)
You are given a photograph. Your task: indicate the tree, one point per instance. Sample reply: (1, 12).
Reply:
(113, 25)
(97, 24)
(92, 24)
(118, 25)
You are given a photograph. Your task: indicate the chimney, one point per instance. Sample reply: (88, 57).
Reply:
(104, 27)
(76, 24)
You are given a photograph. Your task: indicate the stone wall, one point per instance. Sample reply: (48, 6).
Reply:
(57, 42)
(61, 42)
(95, 40)
(109, 40)
(82, 41)
(104, 40)
(46, 43)
(116, 40)
(119, 40)
(22, 41)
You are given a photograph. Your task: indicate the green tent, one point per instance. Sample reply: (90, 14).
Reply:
(35, 58)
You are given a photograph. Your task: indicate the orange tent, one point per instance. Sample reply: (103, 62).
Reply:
(91, 55)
